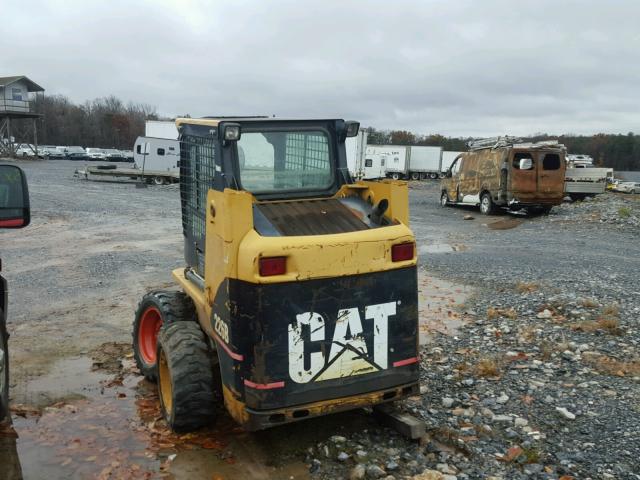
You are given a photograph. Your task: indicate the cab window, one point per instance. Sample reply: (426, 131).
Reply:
(455, 168)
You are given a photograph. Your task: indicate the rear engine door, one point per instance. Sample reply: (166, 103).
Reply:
(550, 172)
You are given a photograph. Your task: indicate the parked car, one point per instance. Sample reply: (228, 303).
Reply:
(627, 187)
(128, 155)
(113, 155)
(51, 152)
(25, 150)
(95, 154)
(505, 173)
(14, 213)
(75, 153)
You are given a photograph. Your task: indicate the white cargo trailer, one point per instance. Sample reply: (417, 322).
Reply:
(447, 160)
(409, 162)
(356, 147)
(160, 129)
(580, 182)
(424, 162)
(392, 157)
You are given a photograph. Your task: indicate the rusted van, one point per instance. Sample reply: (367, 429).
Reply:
(501, 173)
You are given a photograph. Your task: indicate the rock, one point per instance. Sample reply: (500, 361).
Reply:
(448, 402)
(374, 471)
(391, 465)
(444, 468)
(361, 453)
(468, 217)
(338, 439)
(357, 473)
(502, 418)
(565, 413)
(521, 422)
(502, 399)
(544, 314)
(429, 475)
(343, 456)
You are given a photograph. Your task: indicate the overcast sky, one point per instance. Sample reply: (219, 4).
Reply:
(452, 67)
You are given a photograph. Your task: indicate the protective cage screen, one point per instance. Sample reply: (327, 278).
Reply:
(197, 172)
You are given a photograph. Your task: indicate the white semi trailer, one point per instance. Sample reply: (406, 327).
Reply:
(408, 162)
(447, 160)
(362, 166)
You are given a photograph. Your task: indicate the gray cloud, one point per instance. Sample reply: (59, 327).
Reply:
(457, 68)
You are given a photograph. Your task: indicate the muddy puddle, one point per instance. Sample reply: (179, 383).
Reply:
(440, 305)
(505, 223)
(105, 426)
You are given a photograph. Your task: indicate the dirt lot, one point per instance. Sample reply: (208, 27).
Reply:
(541, 311)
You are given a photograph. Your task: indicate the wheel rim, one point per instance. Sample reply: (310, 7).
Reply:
(150, 325)
(164, 383)
(485, 204)
(158, 180)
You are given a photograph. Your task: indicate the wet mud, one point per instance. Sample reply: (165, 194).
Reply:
(114, 429)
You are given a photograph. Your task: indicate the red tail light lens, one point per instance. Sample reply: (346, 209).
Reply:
(270, 266)
(402, 252)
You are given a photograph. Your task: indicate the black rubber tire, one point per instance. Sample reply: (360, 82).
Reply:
(106, 167)
(415, 176)
(395, 176)
(173, 307)
(444, 199)
(486, 204)
(190, 364)
(544, 210)
(4, 371)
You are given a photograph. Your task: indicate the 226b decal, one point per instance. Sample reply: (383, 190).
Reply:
(348, 354)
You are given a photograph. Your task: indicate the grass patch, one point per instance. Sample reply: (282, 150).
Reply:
(493, 313)
(611, 366)
(531, 455)
(611, 310)
(609, 325)
(487, 367)
(589, 303)
(607, 322)
(526, 287)
(624, 212)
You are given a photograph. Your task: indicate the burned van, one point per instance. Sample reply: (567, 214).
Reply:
(502, 173)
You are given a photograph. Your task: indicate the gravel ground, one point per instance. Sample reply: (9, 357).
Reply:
(541, 380)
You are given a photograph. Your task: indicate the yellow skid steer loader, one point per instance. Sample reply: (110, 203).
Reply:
(300, 289)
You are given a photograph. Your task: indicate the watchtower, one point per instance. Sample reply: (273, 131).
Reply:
(18, 97)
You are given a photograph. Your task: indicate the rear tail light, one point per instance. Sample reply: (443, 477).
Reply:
(402, 252)
(270, 266)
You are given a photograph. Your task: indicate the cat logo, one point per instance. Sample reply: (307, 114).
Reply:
(348, 355)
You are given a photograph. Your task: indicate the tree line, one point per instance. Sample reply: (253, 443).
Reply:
(618, 151)
(111, 123)
(103, 123)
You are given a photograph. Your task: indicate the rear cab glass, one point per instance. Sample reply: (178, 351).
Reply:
(517, 156)
(551, 161)
(281, 161)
